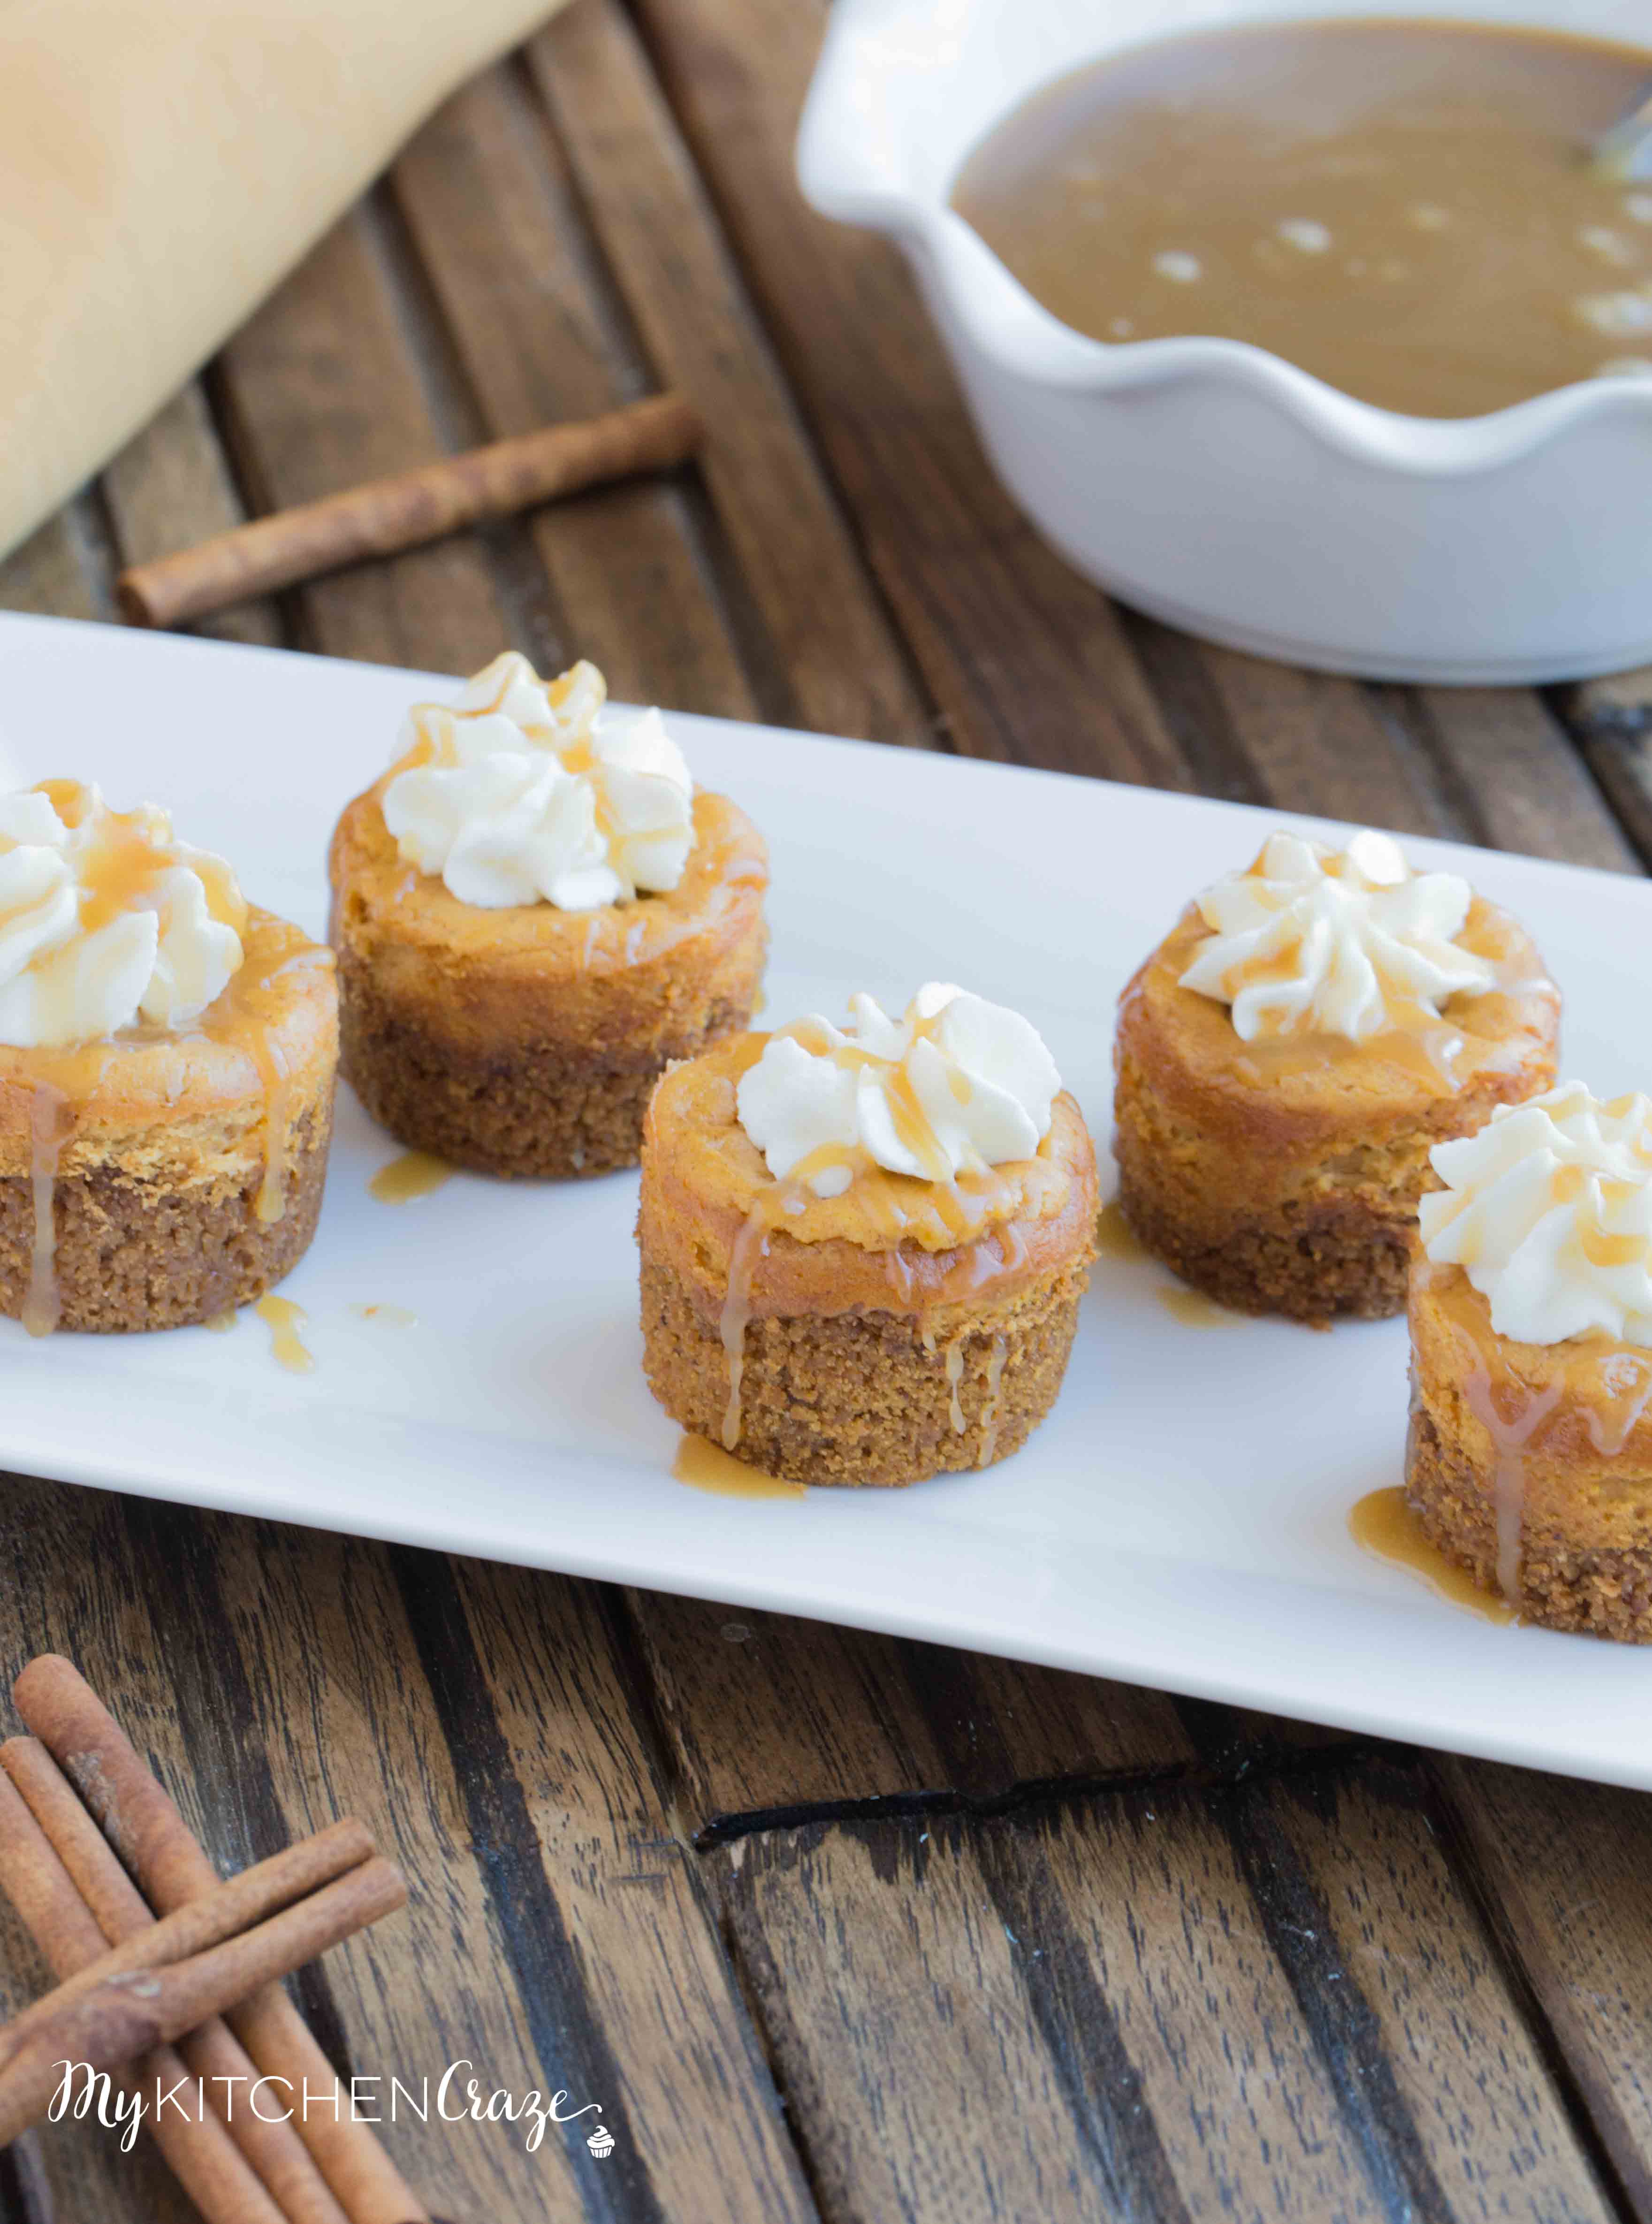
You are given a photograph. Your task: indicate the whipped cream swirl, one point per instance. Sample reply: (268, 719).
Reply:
(106, 920)
(525, 791)
(954, 1086)
(1549, 1212)
(1349, 943)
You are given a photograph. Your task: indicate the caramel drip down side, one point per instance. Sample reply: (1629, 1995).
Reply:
(989, 1418)
(955, 1376)
(1384, 1524)
(48, 1130)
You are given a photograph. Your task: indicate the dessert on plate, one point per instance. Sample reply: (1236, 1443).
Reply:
(1530, 1458)
(1288, 1055)
(167, 1055)
(863, 1249)
(535, 913)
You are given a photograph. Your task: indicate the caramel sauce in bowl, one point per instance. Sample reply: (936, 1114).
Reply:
(1331, 530)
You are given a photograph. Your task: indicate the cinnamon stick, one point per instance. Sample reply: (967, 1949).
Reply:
(385, 516)
(154, 1841)
(212, 2055)
(111, 2019)
(201, 2155)
(226, 1912)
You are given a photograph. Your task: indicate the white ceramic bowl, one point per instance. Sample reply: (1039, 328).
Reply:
(1206, 480)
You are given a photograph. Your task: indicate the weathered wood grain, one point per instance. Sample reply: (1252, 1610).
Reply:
(920, 2085)
(769, 1715)
(1620, 758)
(492, 215)
(1024, 660)
(1315, 742)
(627, 1906)
(1099, 2011)
(63, 569)
(830, 646)
(321, 389)
(1621, 703)
(1407, 1996)
(1566, 1872)
(171, 486)
(1519, 782)
(281, 1699)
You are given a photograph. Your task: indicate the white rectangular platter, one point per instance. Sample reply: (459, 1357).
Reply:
(1181, 1520)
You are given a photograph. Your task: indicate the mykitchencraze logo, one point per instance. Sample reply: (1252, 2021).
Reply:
(85, 2094)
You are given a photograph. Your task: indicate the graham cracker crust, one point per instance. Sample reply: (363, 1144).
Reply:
(1310, 1262)
(529, 1111)
(858, 1398)
(1598, 1593)
(135, 1253)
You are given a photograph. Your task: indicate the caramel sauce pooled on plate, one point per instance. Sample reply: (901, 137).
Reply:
(1194, 1310)
(1384, 1525)
(705, 1466)
(1114, 1236)
(284, 1319)
(414, 1175)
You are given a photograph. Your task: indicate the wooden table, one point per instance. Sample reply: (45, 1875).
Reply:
(832, 1925)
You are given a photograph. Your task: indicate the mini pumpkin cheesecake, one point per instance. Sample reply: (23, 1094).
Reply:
(1529, 1458)
(167, 1055)
(863, 1250)
(535, 914)
(1289, 1054)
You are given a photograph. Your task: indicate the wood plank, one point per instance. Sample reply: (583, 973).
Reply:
(268, 1674)
(1407, 1992)
(1523, 786)
(832, 648)
(61, 570)
(769, 1715)
(1025, 661)
(1621, 703)
(58, 2173)
(321, 389)
(1119, 2036)
(1566, 1871)
(557, 1934)
(1620, 758)
(1319, 743)
(630, 1902)
(915, 2077)
(171, 485)
(492, 212)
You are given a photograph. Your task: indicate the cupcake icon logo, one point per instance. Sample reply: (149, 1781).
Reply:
(601, 2143)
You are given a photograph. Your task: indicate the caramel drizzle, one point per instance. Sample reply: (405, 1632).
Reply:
(991, 1411)
(948, 1212)
(945, 1211)
(284, 1319)
(705, 1466)
(1626, 1378)
(48, 1130)
(1417, 1039)
(1384, 1524)
(955, 1376)
(413, 1175)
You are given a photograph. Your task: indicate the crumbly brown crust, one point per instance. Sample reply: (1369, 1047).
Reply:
(1564, 1430)
(1299, 1195)
(528, 1111)
(1309, 1260)
(1597, 1591)
(860, 1397)
(135, 1253)
(526, 1042)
